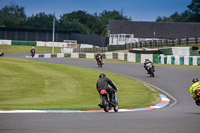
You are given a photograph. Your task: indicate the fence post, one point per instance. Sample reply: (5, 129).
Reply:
(140, 44)
(195, 40)
(173, 44)
(186, 41)
(167, 42)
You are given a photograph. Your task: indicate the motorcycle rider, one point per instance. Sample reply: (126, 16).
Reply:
(105, 83)
(98, 56)
(194, 88)
(32, 52)
(2, 53)
(147, 61)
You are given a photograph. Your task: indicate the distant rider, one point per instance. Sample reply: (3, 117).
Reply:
(194, 88)
(98, 56)
(105, 83)
(32, 52)
(2, 53)
(147, 61)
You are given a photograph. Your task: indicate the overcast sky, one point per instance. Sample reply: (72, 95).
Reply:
(138, 10)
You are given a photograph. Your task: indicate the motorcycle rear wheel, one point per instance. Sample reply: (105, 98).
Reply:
(105, 104)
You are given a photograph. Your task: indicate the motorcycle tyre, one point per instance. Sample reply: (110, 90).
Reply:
(105, 104)
(116, 108)
(151, 73)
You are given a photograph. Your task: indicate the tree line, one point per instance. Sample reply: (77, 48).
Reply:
(13, 16)
(190, 15)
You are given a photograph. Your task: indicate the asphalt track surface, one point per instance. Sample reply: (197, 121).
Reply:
(181, 116)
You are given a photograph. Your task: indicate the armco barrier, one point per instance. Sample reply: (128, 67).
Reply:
(131, 57)
(26, 43)
(5, 42)
(179, 60)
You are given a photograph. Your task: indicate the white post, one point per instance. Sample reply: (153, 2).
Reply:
(53, 32)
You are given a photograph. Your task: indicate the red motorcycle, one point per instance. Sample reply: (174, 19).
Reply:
(107, 103)
(99, 62)
(197, 97)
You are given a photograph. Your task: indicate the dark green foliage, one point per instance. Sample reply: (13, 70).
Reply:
(190, 15)
(13, 16)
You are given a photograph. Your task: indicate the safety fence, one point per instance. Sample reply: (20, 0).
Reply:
(179, 60)
(163, 42)
(130, 57)
(76, 47)
(33, 43)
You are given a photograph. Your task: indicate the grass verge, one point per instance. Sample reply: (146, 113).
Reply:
(26, 49)
(34, 85)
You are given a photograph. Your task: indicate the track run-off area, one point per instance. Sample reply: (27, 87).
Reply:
(180, 116)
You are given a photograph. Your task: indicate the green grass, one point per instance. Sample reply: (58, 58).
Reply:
(26, 49)
(30, 85)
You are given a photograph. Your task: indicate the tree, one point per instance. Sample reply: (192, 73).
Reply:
(40, 20)
(191, 15)
(15, 17)
(105, 16)
(68, 23)
(194, 7)
(12, 16)
(89, 22)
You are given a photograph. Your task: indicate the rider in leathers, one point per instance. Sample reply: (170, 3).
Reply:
(195, 87)
(98, 56)
(107, 84)
(147, 61)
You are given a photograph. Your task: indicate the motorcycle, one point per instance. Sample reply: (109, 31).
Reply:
(107, 102)
(150, 69)
(197, 100)
(99, 62)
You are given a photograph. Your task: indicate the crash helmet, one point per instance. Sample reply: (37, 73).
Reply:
(98, 52)
(146, 59)
(102, 75)
(195, 80)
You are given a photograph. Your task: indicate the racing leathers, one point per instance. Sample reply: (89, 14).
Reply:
(194, 88)
(148, 62)
(98, 56)
(108, 85)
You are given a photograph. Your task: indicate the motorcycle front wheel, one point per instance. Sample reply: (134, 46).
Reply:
(151, 73)
(116, 108)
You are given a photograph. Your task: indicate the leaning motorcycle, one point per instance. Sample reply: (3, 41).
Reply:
(99, 62)
(197, 99)
(107, 102)
(150, 69)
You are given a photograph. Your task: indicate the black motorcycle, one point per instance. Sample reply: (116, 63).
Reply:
(107, 102)
(150, 69)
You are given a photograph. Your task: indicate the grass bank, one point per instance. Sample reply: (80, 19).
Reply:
(26, 49)
(29, 84)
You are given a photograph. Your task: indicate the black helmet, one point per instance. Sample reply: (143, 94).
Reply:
(195, 80)
(102, 75)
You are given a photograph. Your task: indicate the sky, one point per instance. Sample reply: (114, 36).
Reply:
(138, 10)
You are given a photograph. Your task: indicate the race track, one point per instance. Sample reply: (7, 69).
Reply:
(181, 116)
